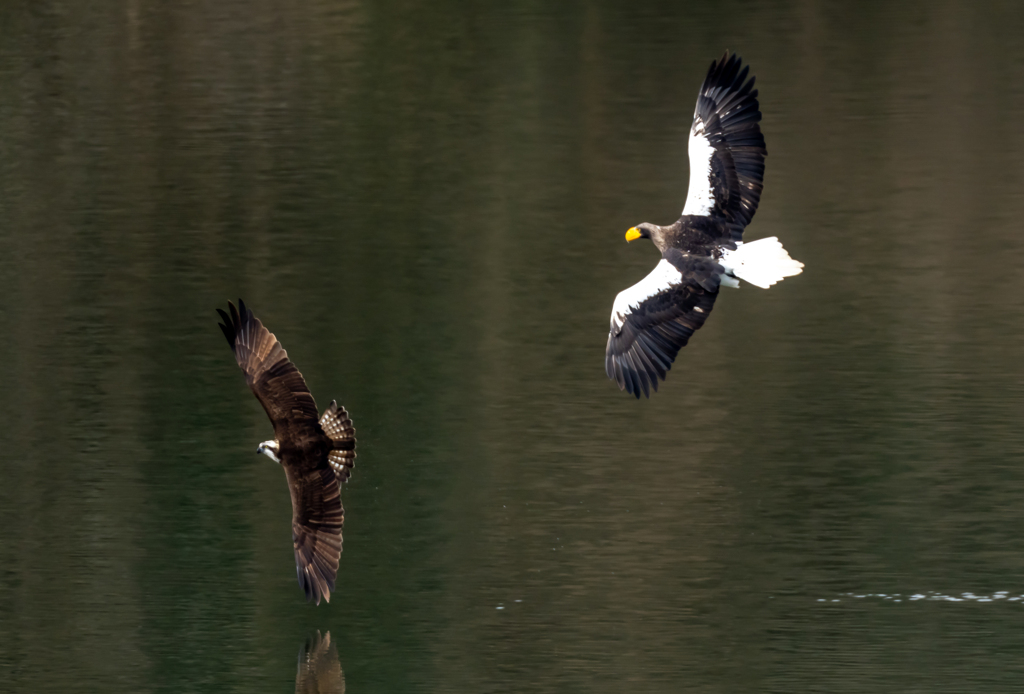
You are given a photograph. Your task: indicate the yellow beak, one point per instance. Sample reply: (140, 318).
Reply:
(633, 234)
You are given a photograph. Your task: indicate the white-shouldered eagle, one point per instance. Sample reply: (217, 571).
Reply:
(317, 452)
(703, 250)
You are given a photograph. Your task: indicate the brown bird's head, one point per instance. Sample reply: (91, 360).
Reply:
(270, 449)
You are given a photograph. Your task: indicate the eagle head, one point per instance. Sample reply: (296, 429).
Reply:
(270, 449)
(644, 231)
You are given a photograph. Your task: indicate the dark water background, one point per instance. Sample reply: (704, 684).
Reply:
(426, 203)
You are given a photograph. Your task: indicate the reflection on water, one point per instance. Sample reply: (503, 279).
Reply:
(319, 671)
(429, 200)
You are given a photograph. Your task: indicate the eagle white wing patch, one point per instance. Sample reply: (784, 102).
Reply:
(699, 198)
(664, 276)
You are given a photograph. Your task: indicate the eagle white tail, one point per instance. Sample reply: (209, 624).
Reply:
(762, 263)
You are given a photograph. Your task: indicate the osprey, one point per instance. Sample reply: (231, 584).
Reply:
(316, 452)
(703, 250)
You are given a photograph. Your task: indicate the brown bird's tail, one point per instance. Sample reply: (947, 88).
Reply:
(338, 426)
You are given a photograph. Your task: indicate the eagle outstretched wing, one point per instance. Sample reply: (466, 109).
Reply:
(652, 320)
(726, 147)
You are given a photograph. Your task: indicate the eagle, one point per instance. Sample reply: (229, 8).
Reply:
(317, 452)
(703, 250)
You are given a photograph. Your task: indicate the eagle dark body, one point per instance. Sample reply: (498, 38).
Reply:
(655, 318)
(316, 452)
(699, 235)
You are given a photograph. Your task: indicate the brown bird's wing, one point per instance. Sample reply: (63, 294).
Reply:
(319, 670)
(317, 520)
(273, 378)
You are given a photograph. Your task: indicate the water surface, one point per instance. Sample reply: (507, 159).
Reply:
(426, 204)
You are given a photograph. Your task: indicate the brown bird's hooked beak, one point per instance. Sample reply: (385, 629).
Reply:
(633, 234)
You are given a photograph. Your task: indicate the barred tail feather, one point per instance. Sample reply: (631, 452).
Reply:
(338, 427)
(762, 263)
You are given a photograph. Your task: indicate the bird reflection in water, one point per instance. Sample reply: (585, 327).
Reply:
(319, 670)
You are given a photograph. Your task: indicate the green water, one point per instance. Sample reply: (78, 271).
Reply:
(426, 203)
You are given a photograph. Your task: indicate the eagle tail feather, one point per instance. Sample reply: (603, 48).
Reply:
(762, 263)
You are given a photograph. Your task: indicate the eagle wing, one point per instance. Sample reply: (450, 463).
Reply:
(319, 671)
(273, 378)
(655, 317)
(726, 148)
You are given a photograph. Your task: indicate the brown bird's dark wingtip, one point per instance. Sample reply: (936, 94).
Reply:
(233, 323)
(312, 588)
(227, 328)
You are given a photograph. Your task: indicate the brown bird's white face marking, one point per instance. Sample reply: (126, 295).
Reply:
(270, 449)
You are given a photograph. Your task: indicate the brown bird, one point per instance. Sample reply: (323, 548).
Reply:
(316, 452)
